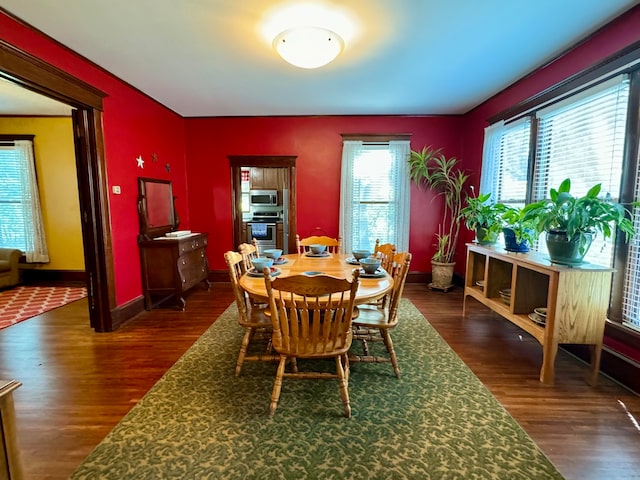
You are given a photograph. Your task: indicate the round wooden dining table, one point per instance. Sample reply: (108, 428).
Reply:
(334, 264)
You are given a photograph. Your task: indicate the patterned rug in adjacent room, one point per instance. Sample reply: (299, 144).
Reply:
(21, 303)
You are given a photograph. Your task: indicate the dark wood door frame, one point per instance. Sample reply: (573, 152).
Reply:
(268, 161)
(33, 74)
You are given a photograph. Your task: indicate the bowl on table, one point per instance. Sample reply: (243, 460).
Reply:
(370, 265)
(360, 254)
(261, 263)
(317, 248)
(272, 253)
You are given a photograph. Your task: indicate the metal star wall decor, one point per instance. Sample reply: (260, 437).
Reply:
(154, 157)
(140, 161)
(167, 167)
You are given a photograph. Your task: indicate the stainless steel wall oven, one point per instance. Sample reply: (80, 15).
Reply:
(264, 233)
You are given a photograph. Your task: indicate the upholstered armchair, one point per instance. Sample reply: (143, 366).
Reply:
(9, 275)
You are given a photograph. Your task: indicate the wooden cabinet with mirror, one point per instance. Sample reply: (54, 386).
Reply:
(171, 262)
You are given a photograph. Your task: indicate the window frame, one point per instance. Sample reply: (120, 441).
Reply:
(376, 140)
(625, 61)
(39, 250)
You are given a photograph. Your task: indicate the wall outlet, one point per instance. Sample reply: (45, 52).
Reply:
(116, 189)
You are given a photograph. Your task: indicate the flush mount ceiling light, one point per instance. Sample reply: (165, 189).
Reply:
(308, 47)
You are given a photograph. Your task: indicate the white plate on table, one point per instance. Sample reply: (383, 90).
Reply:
(379, 273)
(255, 273)
(317, 255)
(352, 261)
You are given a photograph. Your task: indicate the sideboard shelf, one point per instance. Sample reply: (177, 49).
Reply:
(576, 299)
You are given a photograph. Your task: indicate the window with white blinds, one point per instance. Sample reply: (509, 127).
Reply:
(374, 200)
(12, 218)
(582, 138)
(21, 224)
(510, 185)
(631, 286)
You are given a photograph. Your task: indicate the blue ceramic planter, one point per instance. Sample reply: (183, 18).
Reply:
(510, 243)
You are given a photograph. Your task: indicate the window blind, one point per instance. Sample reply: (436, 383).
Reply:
(12, 225)
(21, 224)
(583, 138)
(513, 162)
(631, 286)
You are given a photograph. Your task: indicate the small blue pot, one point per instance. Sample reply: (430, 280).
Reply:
(510, 243)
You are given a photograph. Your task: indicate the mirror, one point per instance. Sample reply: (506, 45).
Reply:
(156, 208)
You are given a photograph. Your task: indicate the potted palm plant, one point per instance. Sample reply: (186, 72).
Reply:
(430, 168)
(572, 222)
(483, 216)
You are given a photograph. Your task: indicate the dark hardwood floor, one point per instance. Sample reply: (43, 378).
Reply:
(78, 384)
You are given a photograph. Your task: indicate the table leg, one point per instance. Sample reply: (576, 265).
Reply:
(596, 353)
(549, 351)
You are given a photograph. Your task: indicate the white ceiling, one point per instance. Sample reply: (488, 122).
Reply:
(210, 57)
(15, 100)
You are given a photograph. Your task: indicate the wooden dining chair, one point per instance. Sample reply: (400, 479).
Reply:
(373, 323)
(333, 244)
(249, 251)
(385, 253)
(251, 316)
(311, 318)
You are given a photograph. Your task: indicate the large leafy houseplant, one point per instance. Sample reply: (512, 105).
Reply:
(519, 232)
(430, 168)
(483, 216)
(577, 219)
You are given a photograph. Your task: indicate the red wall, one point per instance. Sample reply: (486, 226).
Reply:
(317, 143)
(136, 125)
(133, 125)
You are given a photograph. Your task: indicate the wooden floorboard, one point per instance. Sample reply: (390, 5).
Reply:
(78, 384)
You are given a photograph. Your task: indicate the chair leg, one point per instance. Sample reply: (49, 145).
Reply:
(248, 333)
(365, 347)
(277, 385)
(344, 385)
(386, 337)
(347, 367)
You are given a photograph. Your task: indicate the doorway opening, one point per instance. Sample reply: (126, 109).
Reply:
(33, 74)
(280, 177)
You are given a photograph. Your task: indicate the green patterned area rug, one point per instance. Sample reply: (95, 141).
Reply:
(200, 421)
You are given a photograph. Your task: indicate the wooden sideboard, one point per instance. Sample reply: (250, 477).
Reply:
(171, 266)
(576, 299)
(10, 464)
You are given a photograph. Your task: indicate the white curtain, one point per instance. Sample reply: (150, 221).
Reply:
(401, 150)
(350, 148)
(36, 244)
(491, 157)
(374, 194)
